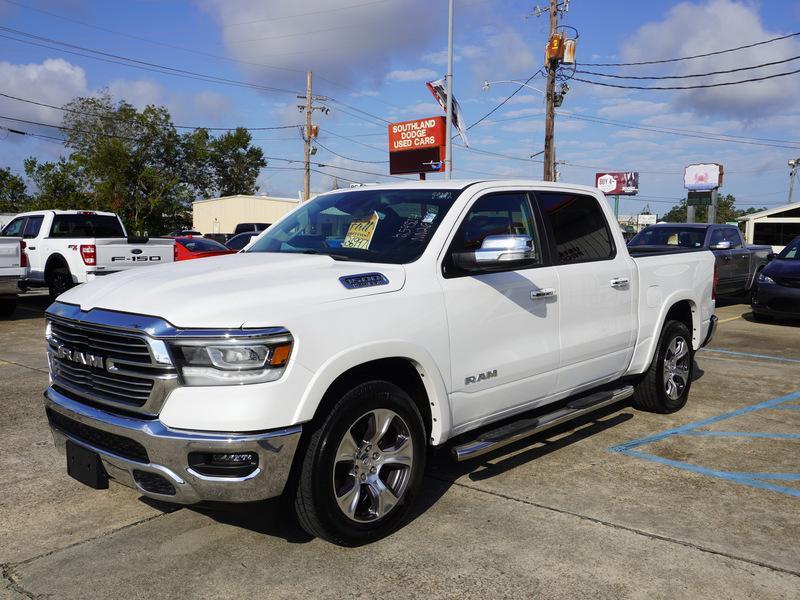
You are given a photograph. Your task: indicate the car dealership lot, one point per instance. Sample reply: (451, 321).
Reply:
(702, 503)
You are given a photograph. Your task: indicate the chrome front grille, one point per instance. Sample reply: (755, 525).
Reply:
(102, 365)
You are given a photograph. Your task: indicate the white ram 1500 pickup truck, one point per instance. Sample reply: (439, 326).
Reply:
(359, 331)
(67, 247)
(13, 268)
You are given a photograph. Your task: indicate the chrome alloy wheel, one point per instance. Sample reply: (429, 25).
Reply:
(372, 468)
(676, 367)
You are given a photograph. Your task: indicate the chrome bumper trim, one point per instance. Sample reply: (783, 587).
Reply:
(168, 451)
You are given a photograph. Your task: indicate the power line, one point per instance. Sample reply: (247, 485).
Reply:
(768, 64)
(687, 87)
(94, 114)
(374, 162)
(670, 60)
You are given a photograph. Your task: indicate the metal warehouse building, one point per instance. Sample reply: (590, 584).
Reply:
(775, 227)
(221, 215)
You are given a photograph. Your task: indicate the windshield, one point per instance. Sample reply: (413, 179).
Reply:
(685, 237)
(386, 226)
(792, 251)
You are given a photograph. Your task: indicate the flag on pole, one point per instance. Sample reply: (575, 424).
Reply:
(439, 90)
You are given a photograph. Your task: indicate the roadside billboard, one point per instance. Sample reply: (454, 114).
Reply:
(618, 184)
(417, 146)
(703, 177)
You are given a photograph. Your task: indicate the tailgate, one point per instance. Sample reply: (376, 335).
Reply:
(119, 255)
(10, 258)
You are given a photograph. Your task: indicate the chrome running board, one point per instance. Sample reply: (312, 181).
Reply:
(526, 427)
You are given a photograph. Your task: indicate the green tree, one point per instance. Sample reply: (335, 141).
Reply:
(235, 163)
(13, 195)
(59, 185)
(726, 211)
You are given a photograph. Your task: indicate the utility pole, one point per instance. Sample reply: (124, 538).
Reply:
(307, 138)
(793, 164)
(549, 125)
(448, 148)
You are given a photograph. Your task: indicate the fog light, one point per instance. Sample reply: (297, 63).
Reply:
(234, 464)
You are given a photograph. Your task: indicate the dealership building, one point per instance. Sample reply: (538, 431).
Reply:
(221, 215)
(775, 227)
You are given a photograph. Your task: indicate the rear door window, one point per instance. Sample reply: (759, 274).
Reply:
(32, 227)
(86, 226)
(578, 227)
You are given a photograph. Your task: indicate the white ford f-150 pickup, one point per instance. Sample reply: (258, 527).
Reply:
(67, 247)
(359, 331)
(13, 269)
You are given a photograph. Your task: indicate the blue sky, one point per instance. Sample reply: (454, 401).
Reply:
(372, 58)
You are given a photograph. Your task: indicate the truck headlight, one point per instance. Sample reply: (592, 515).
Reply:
(765, 279)
(232, 361)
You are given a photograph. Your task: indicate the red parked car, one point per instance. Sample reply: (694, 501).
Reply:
(187, 248)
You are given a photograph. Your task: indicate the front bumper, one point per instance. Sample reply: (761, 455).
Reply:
(776, 300)
(167, 451)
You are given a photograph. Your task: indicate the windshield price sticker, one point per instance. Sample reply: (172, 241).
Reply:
(359, 234)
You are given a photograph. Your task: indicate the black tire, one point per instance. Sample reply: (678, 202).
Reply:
(7, 307)
(651, 393)
(59, 281)
(323, 470)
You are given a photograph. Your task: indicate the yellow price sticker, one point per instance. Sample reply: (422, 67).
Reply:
(359, 234)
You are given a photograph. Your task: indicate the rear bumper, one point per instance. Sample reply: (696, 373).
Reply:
(712, 329)
(163, 453)
(9, 286)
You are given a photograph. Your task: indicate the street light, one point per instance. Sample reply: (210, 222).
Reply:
(487, 84)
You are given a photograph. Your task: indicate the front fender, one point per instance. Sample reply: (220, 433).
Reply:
(426, 366)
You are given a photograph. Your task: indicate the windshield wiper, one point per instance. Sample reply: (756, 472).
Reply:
(333, 256)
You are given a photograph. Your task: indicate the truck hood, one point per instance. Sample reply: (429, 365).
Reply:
(239, 290)
(783, 268)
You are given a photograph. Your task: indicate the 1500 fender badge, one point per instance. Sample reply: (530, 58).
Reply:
(480, 377)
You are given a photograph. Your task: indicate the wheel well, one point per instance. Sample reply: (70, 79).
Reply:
(400, 371)
(683, 311)
(54, 262)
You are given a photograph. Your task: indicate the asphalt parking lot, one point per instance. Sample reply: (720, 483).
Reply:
(699, 504)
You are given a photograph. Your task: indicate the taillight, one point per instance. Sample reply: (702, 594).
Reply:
(89, 254)
(714, 287)
(23, 256)
(174, 252)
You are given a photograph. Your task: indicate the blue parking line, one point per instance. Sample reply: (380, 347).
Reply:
(747, 354)
(741, 478)
(755, 480)
(684, 428)
(751, 434)
(787, 407)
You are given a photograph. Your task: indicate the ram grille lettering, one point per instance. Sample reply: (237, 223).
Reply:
(82, 358)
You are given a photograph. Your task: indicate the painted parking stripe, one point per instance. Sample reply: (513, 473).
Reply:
(761, 481)
(748, 355)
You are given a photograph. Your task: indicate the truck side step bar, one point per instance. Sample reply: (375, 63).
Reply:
(526, 427)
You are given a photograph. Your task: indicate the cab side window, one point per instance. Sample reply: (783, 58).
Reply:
(729, 234)
(578, 226)
(14, 228)
(495, 214)
(716, 237)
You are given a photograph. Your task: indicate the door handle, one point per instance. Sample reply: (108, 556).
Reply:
(31, 247)
(726, 258)
(543, 293)
(619, 282)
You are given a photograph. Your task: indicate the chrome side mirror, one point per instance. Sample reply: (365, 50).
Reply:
(726, 245)
(498, 251)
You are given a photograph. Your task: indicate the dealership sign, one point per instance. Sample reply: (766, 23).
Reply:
(703, 177)
(417, 146)
(618, 184)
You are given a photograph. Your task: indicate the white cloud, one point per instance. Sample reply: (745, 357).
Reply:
(412, 75)
(697, 28)
(139, 92)
(624, 108)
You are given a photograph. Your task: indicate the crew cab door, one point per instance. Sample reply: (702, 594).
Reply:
(740, 257)
(30, 234)
(597, 308)
(726, 282)
(503, 323)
